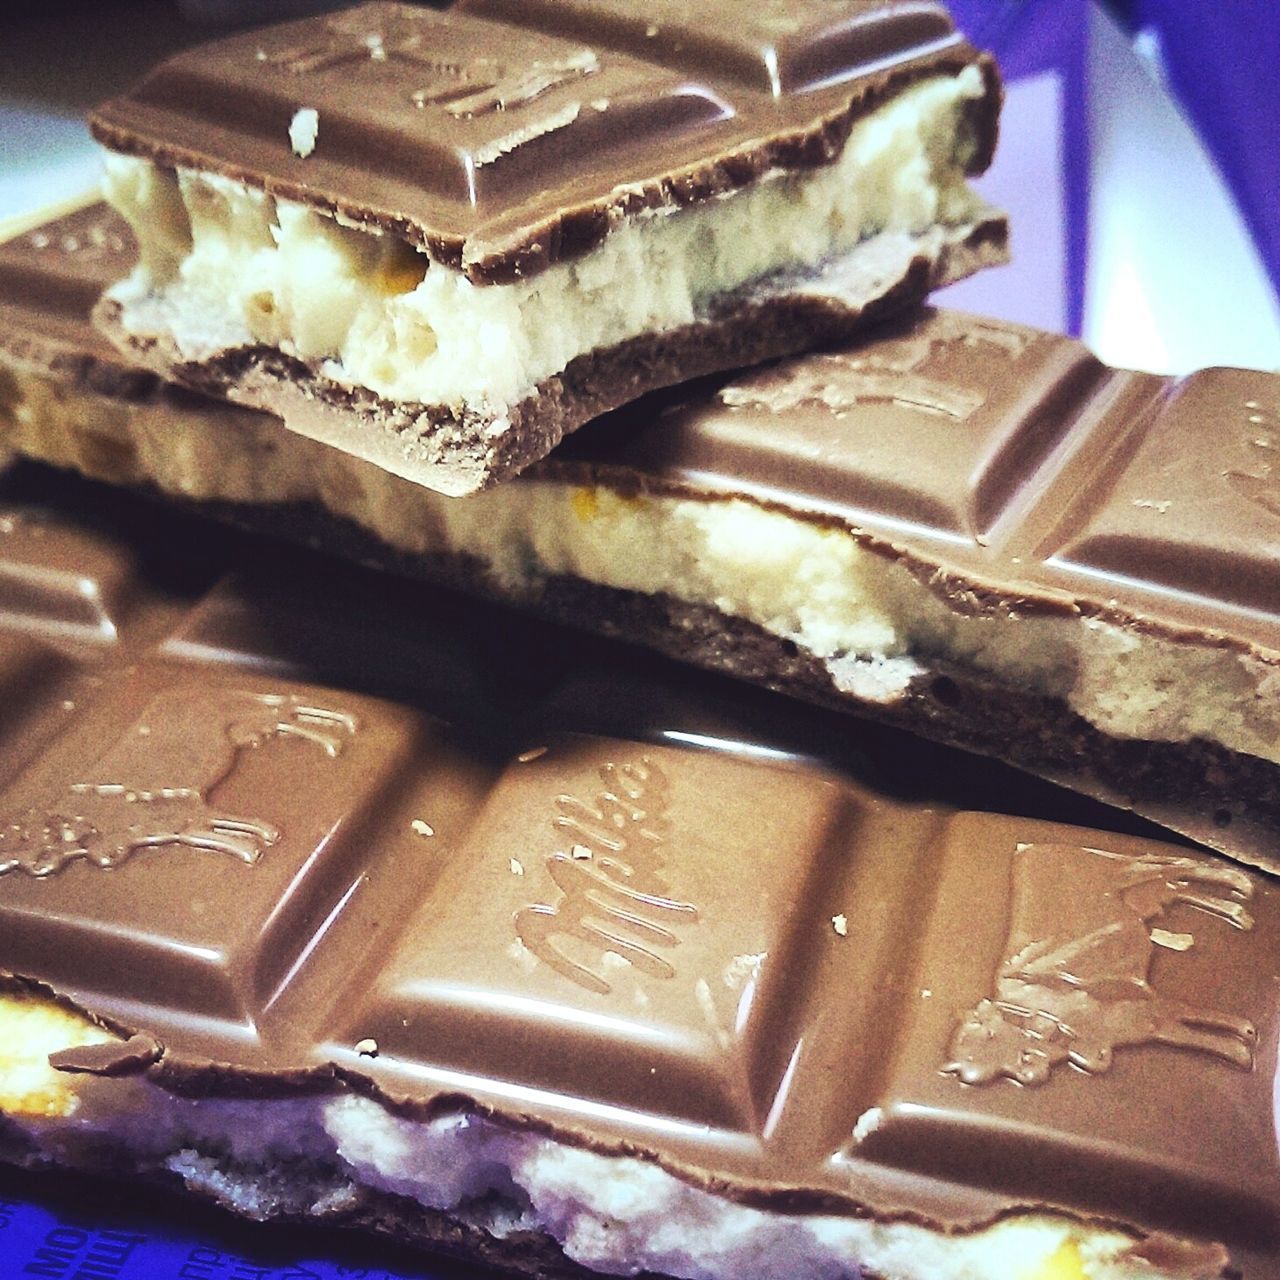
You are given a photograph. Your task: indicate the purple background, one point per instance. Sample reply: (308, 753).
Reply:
(1223, 62)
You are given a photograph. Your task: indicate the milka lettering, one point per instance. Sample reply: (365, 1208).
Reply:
(612, 892)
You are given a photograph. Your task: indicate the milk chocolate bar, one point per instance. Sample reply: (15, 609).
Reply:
(967, 528)
(440, 241)
(541, 951)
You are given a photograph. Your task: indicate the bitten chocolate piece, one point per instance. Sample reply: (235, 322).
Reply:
(967, 528)
(545, 952)
(440, 241)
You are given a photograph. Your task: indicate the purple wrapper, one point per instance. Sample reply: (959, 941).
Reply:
(82, 1231)
(1041, 173)
(1221, 61)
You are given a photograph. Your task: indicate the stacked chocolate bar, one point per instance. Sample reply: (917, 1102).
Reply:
(333, 897)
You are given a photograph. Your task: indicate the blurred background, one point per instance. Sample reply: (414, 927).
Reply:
(1140, 154)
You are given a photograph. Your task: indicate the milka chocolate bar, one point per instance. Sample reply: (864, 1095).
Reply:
(440, 241)
(562, 958)
(968, 528)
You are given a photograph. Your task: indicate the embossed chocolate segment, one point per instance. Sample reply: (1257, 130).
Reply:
(615, 910)
(153, 787)
(1196, 507)
(1075, 983)
(610, 885)
(776, 47)
(89, 244)
(60, 580)
(1109, 1013)
(50, 279)
(935, 428)
(467, 112)
(167, 797)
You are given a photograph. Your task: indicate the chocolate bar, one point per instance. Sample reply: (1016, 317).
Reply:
(440, 241)
(541, 951)
(970, 529)
(55, 368)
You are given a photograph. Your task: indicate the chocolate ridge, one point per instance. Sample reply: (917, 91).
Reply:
(794, 132)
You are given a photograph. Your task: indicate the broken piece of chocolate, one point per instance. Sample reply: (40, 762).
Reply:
(617, 1028)
(440, 241)
(971, 529)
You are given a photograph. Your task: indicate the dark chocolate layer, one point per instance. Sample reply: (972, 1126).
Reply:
(503, 136)
(288, 822)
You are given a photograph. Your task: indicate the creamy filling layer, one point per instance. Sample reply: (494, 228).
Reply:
(224, 265)
(615, 1214)
(865, 615)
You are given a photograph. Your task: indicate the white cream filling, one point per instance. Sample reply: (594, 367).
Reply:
(232, 266)
(873, 623)
(618, 1215)
(865, 614)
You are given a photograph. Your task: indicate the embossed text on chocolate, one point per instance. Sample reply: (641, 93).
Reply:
(612, 891)
(1075, 982)
(152, 787)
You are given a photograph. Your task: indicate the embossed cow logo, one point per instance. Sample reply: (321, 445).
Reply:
(1075, 982)
(612, 891)
(484, 85)
(152, 787)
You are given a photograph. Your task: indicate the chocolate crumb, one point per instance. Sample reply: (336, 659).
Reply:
(303, 131)
(1172, 941)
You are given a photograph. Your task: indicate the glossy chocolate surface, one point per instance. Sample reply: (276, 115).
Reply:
(1031, 474)
(50, 278)
(505, 136)
(591, 892)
